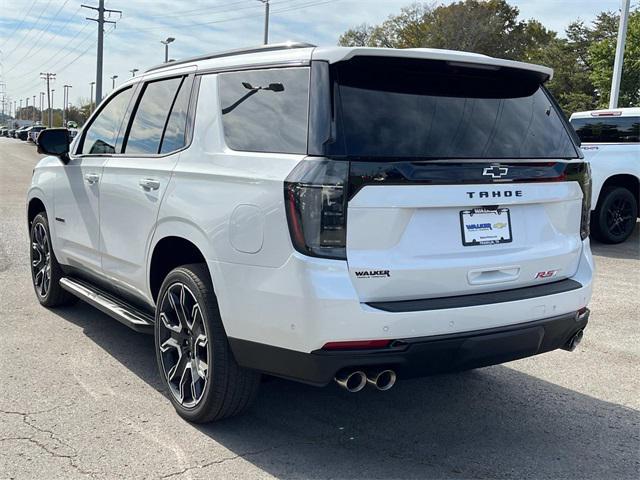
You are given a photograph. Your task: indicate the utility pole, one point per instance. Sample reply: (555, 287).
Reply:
(266, 20)
(26, 107)
(133, 72)
(48, 77)
(113, 81)
(617, 66)
(91, 98)
(100, 21)
(20, 112)
(34, 109)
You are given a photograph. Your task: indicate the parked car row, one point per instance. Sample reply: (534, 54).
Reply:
(30, 132)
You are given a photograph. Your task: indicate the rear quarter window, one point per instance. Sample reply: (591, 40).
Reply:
(265, 110)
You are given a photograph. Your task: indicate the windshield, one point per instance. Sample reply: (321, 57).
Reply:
(391, 107)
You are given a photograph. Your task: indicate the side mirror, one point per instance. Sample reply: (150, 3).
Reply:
(55, 141)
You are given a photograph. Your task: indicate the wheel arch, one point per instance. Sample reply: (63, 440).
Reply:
(170, 252)
(626, 180)
(34, 207)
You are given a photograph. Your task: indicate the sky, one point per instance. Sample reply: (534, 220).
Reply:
(54, 36)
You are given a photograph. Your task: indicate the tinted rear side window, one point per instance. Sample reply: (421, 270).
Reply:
(175, 133)
(151, 116)
(265, 110)
(608, 130)
(102, 136)
(430, 109)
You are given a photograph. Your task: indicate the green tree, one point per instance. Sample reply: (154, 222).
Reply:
(600, 55)
(582, 62)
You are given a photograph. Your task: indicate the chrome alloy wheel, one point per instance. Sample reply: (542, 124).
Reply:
(41, 260)
(184, 346)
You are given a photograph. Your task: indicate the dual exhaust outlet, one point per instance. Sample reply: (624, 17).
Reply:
(355, 380)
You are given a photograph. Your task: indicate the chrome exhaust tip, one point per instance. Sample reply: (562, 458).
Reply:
(352, 381)
(573, 343)
(382, 379)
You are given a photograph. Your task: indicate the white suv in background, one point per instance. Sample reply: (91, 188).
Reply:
(611, 144)
(314, 213)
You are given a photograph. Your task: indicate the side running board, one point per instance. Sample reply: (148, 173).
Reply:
(131, 316)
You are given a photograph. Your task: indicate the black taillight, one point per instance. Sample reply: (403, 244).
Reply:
(316, 204)
(585, 185)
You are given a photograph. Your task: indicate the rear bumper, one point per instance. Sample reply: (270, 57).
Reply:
(414, 357)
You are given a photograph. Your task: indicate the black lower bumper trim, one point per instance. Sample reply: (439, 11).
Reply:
(478, 298)
(415, 357)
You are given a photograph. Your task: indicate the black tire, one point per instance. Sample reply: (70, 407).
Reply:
(228, 388)
(614, 218)
(45, 267)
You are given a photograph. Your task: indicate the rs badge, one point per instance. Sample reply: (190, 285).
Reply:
(547, 274)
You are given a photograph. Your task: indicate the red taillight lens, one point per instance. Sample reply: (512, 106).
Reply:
(357, 345)
(316, 205)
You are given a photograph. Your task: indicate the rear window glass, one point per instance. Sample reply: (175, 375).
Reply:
(265, 110)
(429, 109)
(607, 129)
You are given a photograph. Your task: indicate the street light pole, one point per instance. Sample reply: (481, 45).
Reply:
(51, 109)
(133, 72)
(34, 109)
(166, 48)
(113, 82)
(619, 58)
(65, 102)
(91, 98)
(266, 20)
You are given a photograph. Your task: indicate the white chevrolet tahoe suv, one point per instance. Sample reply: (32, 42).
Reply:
(611, 144)
(320, 214)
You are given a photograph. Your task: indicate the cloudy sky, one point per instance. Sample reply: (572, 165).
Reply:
(53, 35)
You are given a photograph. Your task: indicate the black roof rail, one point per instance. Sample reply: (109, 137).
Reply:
(237, 51)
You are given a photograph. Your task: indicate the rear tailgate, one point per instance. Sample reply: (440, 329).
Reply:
(411, 241)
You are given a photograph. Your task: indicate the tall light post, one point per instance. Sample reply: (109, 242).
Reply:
(65, 102)
(266, 20)
(41, 107)
(51, 109)
(91, 98)
(133, 71)
(34, 109)
(619, 57)
(20, 112)
(166, 48)
(113, 82)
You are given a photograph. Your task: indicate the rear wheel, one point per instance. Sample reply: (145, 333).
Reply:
(194, 358)
(615, 216)
(45, 269)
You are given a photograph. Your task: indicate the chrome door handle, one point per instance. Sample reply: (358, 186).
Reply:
(92, 178)
(149, 184)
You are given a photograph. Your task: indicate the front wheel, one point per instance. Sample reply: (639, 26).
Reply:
(615, 216)
(45, 270)
(194, 357)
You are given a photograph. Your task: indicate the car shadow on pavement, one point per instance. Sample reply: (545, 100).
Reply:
(629, 249)
(490, 423)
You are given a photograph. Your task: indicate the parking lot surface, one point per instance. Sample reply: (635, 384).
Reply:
(80, 397)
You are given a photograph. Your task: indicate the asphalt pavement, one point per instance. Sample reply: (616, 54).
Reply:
(80, 396)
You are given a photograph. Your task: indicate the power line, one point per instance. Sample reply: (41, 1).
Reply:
(42, 32)
(244, 17)
(188, 13)
(20, 23)
(26, 35)
(64, 48)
